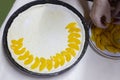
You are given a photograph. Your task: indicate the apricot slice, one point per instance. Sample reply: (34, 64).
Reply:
(74, 46)
(67, 55)
(36, 63)
(61, 59)
(17, 41)
(49, 64)
(74, 30)
(23, 57)
(16, 46)
(56, 61)
(74, 40)
(71, 25)
(74, 35)
(29, 60)
(71, 51)
(43, 64)
(19, 51)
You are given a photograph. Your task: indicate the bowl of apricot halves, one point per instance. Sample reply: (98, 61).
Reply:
(106, 42)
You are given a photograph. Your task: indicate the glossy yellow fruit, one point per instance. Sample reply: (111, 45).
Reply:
(74, 46)
(43, 64)
(71, 51)
(74, 40)
(61, 59)
(17, 41)
(67, 55)
(29, 60)
(71, 25)
(74, 35)
(24, 56)
(19, 51)
(49, 65)
(36, 63)
(98, 43)
(74, 30)
(14, 47)
(56, 61)
(111, 49)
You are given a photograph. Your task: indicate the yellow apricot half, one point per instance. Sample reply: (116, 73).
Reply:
(19, 51)
(56, 61)
(67, 55)
(71, 51)
(61, 59)
(23, 57)
(74, 30)
(36, 63)
(74, 35)
(74, 40)
(71, 25)
(74, 46)
(29, 60)
(43, 64)
(49, 64)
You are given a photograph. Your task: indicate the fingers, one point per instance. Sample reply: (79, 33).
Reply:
(98, 22)
(101, 8)
(101, 19)
(108, 17)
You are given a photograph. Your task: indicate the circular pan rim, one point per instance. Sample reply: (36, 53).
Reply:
(25, 7)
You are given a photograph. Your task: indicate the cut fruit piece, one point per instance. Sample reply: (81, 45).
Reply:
(19, 51)
(74, 46)
(17, 41)
(14, 47)
(49, 64)
(67, 55)
(43, 64)
(71, 51)
(36, 63)
(74, 30)
(61, 59)
(71, 25)
(29, 60)
(74, 35)
(56, 61)
(74, 40)
(25, 56)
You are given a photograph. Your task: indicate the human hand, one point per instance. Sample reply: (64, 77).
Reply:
(101, 8)
(116, 14)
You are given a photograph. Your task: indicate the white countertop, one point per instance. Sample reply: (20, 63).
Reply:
(91, 67)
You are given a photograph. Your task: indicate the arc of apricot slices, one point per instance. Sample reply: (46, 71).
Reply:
(55, 61)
